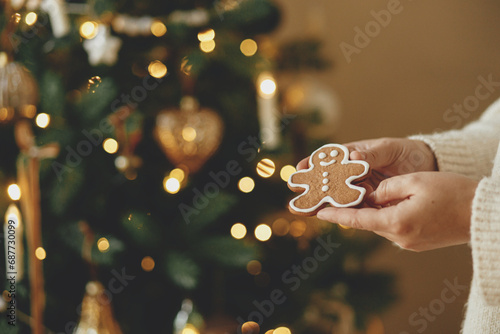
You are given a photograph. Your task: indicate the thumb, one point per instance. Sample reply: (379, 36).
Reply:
(379, 155)
(394, 189)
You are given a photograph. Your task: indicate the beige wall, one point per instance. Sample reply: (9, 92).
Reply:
(427, 59)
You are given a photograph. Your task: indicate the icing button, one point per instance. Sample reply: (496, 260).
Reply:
(325, 188)
(325, 174)
(325, 181)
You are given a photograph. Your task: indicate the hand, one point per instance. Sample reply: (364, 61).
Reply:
(389, 157)
(418, 211)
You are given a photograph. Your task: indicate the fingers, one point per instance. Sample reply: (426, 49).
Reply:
(363, 219)
(378, 153)
(303, 164)
(391, 190)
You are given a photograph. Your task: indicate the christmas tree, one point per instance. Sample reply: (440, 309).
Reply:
(145, 147)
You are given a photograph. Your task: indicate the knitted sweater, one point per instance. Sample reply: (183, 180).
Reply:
(474, 152)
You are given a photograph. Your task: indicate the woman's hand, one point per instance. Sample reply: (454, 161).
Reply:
(418, 211)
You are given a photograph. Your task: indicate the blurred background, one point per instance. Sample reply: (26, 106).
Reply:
(146, 147)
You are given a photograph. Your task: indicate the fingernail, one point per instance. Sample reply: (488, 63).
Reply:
(320, 215)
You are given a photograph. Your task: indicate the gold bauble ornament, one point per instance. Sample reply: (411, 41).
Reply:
(97, 315)
(18, 91)
(189, 136)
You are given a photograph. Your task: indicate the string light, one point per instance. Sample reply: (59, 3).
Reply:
(265, 168)
(254, 267)
(178, 174)
(206, 35)
(42, 120)
(238, 231)
(103, 245)
(263, 232)
(268, 87)
(171, 185)
(157, 69)
(89, 29)
(188, 133)
(93, 83)
(207, 46)
(282, 330)
(110, 145)
(246, 184)
(16, 17)
(30, 18)
(286, 171)
(40, 253)
(248, 47)
(297, 228)
(147, 263)
(14, 192)
(158, 29)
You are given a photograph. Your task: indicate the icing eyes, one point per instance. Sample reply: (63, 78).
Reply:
(322, 155)
(334, 153)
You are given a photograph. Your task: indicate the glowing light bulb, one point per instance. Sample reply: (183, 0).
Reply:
(40, 253)
(178, 174)
(158, 29)
(206, 35)
(268, 87)
(30, 18)
(110, 145)
(282, 330)
(147, 263)
(14, 192)
(42, 120)
(188, 133)
(248, 47)
(103, 245)
(157, 69)
(263, 232)
(171, 185)
(246, 184)
(286, 171)
(238, 231)
(89, 29)
(266, 168)
(207, 46)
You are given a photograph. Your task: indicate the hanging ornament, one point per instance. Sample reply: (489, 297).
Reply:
(18, 91)
(96, 314)
(189, 136)
(103, 48)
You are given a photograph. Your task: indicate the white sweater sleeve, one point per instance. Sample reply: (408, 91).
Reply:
(469, 151)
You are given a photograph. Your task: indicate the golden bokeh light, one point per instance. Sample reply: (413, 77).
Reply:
(42, 120)
(286, 171)
(89, 29)
(238, 231)
(158, 29)
(103, 245)
(190, 329)
(30, 18)
(16, 17)
(29, 111)
(266, 168)
(270, 331)
(171, 185)
(254, 267)
(206, 35)
(282, 330)
(157, 69)
(110, 145)
(297, 228)
(281, 226)
(263, 232)
(248, 47)
(14, 192)
(178, 174)
(207, 46)
(246, 184)
(268, 87)
(40, 253)
(147, 263)
(188, 133)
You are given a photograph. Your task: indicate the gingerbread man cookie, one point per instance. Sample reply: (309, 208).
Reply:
(327, 181)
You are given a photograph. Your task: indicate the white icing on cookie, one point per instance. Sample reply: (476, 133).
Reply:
(325, 188)
(324, 163)
(329, 199)
(325, 181)
(322, 155)
(334, 153)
